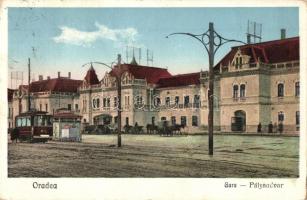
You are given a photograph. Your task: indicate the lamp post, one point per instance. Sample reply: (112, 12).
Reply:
(118, 72)
(208, 39)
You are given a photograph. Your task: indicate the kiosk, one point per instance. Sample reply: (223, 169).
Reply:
(66, 126)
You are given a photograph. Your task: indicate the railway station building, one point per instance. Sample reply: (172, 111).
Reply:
(254, 83)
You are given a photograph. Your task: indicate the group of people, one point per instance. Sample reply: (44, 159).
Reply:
(272, 128)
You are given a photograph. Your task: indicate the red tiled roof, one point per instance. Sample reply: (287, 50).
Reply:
(180, 80)
(55, 84)
(151, 74)
(275, 51)
(91, 77)
(10, 93)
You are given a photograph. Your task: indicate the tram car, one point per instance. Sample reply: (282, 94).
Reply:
(34, 126)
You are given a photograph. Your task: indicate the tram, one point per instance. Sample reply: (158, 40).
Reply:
(34, 126)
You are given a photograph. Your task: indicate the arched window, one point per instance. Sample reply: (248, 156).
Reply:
(280, 88)
(281, 116)
(235, 91)
(94, 103)
(242, 90)
(97, 102)
(297, 89)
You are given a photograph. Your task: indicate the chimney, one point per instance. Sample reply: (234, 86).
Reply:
(40, 77)
(282, 33)
(69, 75)
(48, 77)
(59, 74)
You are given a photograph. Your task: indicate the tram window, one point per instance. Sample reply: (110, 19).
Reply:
(19, 124)
(23, 121)
(38, 120)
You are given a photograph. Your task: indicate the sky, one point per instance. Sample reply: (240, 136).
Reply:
(63, 39)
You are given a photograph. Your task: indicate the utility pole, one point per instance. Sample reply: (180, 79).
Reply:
(118, 72)
(29, 76)
(211, 47)
(119, 96)
(211, 86)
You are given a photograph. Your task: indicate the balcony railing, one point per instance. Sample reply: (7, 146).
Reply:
(293, 64)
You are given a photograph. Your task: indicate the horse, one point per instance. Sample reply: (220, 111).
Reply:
(151, 128)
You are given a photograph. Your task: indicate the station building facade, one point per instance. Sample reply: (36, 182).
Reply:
(254, 83)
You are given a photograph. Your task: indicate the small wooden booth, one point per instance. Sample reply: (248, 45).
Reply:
(67, 126)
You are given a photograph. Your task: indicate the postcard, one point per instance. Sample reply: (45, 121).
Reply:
(153, 100)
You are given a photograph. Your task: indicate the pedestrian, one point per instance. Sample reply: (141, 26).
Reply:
(280, 127)
(15, 135)
(259, 128)
(270, 127)
(136, 128)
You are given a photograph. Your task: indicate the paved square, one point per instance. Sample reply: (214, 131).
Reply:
(155, 156)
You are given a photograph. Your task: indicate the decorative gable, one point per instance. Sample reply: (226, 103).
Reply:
(240, 60)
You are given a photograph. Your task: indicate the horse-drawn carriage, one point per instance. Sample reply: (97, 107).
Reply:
(102, 125)
(136, 129)
(165, 128)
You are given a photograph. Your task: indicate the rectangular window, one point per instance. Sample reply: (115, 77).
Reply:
(235, 91)
(196, 101)
(176, 100)
(46, 107)
(127, 120)
(183, 120)
(76, 107)
(167, 101)
(157, 101)
(297, 117)
(281, 116)
(280, 88)
(69, 106)
(163, 118)
(40, 107)
(194, 121)
(108, 102)
(186, 101)
(242, 90)
(297, 89)
(115, 102)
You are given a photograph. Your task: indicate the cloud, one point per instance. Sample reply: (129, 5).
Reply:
(68, 35)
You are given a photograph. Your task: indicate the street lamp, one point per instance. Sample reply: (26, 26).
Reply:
(118, 72)
(208, 39)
